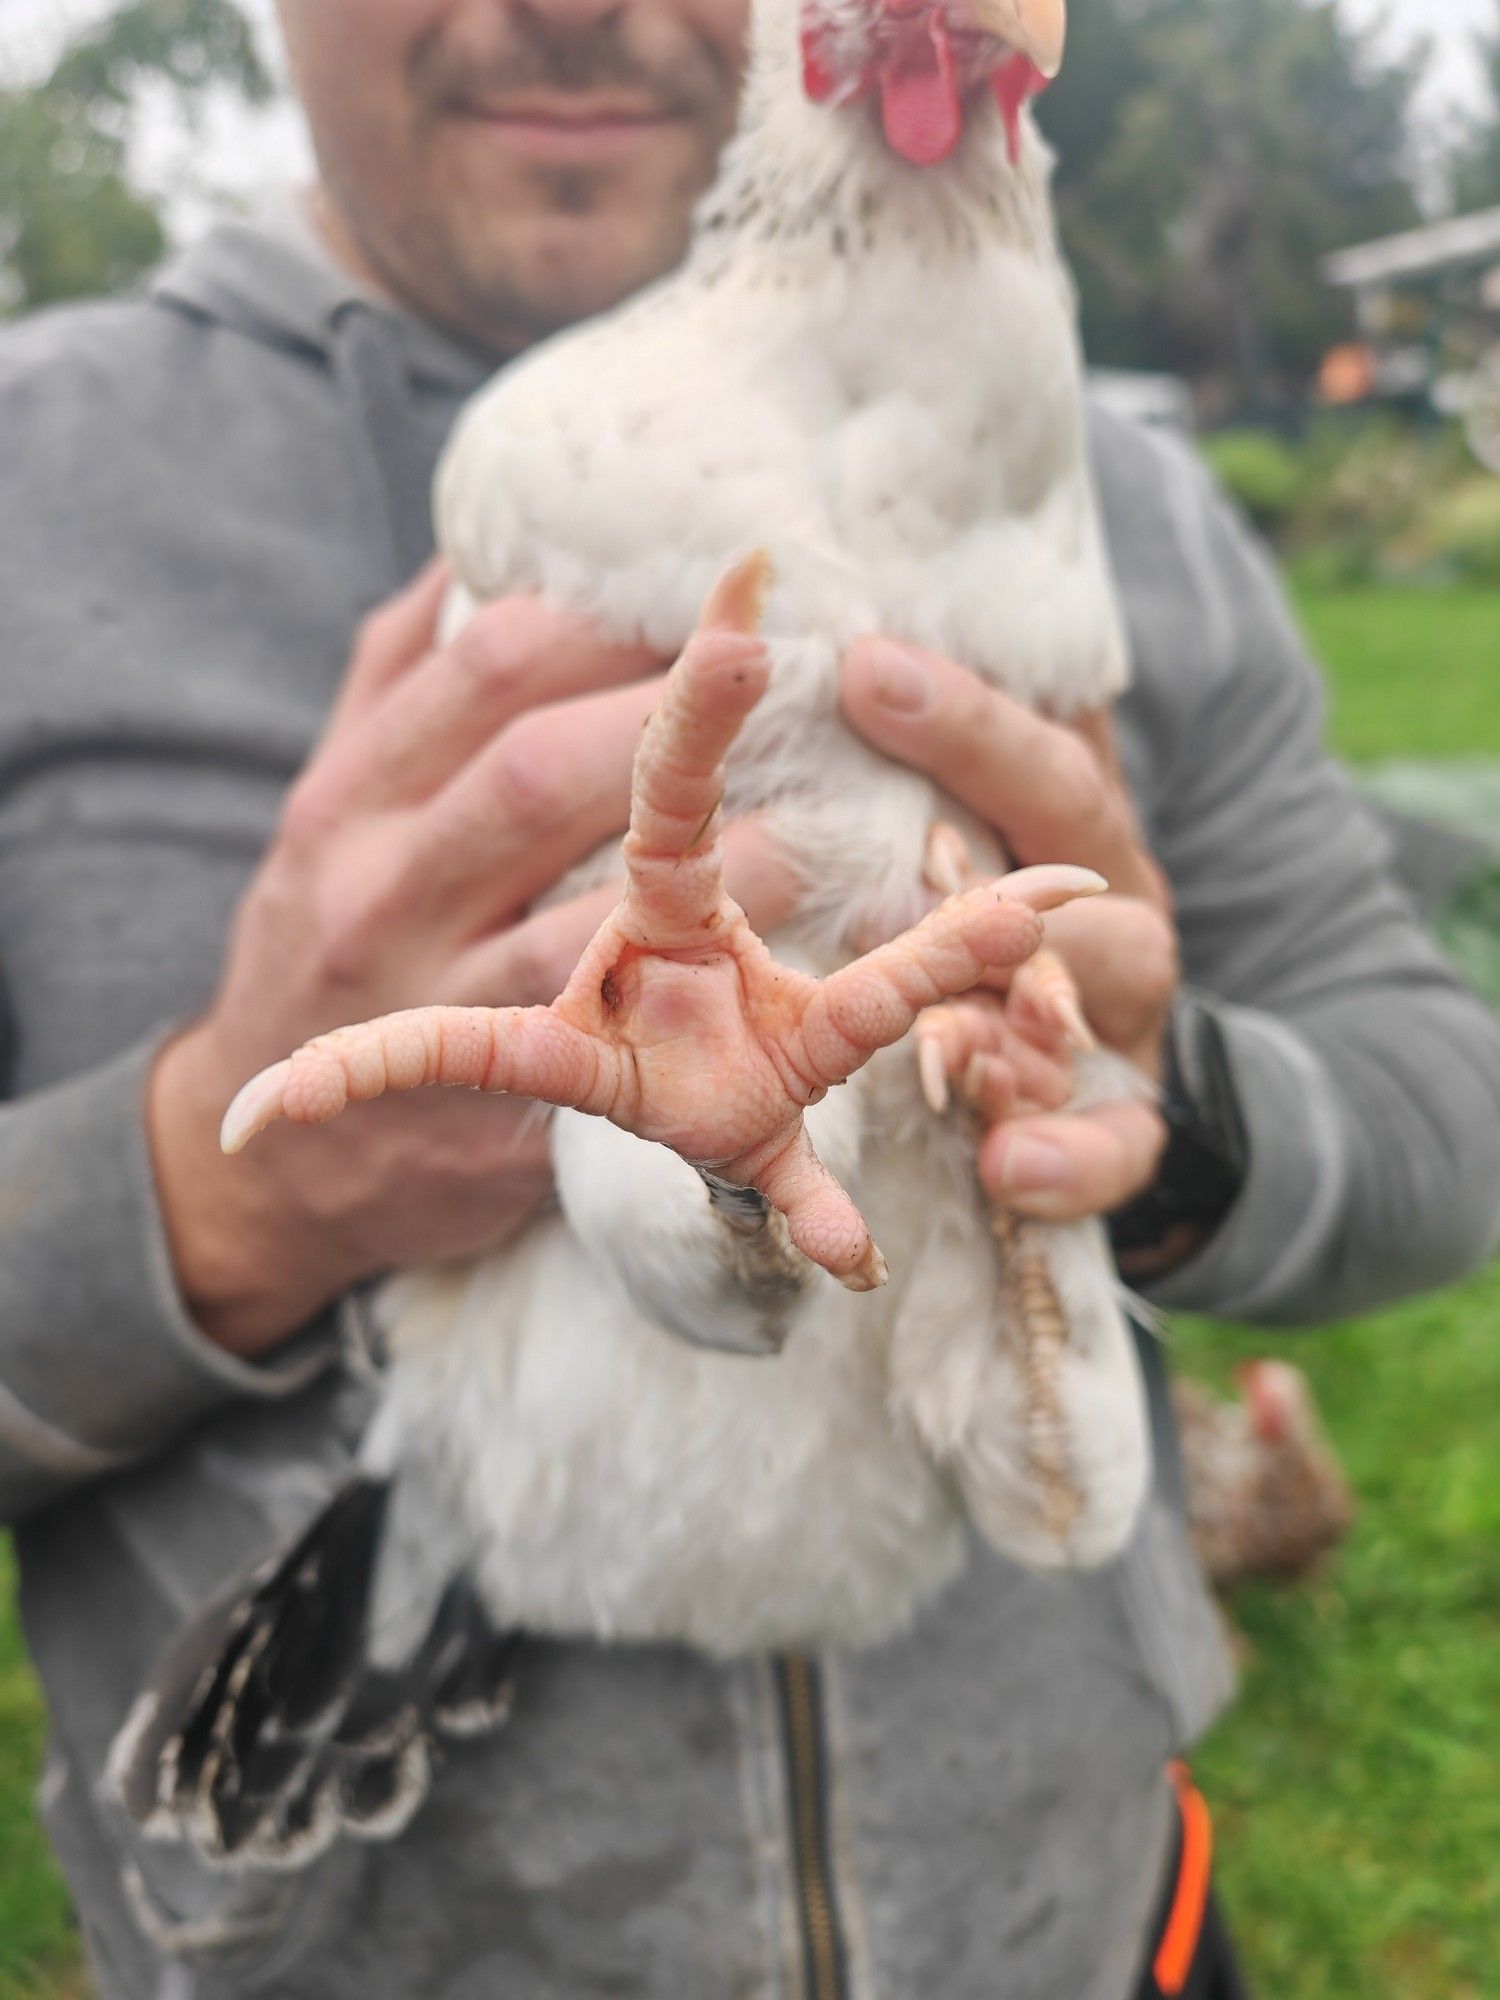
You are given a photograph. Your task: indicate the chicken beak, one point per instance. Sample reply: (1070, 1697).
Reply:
(1037, 28)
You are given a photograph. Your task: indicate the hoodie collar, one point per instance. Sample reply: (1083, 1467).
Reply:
(400, 379)
(272, 280)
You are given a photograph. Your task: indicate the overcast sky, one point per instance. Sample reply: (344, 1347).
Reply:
(236, 155)
(1450, 23)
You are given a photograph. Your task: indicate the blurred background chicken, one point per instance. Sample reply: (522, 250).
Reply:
(1267, 1496)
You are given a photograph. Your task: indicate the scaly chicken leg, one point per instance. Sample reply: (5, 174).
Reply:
(1004, 1056)
(678, 1025)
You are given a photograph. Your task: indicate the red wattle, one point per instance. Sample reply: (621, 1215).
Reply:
(919, 103)
(1015, 83)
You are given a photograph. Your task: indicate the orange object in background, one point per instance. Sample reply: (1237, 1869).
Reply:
(1347, 374)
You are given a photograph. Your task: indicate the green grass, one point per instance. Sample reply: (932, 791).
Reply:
(1413, 672)
(1357, 1784)
(38, 1953)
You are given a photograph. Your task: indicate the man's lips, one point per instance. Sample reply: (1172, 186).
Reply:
(567, 128)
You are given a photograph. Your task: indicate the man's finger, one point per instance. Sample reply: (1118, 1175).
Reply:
(392, 639)
(759, 876)
(529, 964)
(1124, 955)
(512, 656)
(543, 796)
(1097, 728)
(1066, 1167)
(1039, 784)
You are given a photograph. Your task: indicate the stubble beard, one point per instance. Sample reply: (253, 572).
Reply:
(561, 242)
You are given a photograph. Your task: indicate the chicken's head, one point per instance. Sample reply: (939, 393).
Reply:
(1280, 1402)
(926, 59)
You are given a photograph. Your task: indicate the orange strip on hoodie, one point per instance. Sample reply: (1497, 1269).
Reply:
(1174, 1958)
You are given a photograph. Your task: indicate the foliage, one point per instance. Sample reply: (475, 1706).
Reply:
(1368, 500)
(1371, 490)
(1264, 474)
(1476, 162)
(1212, 151)
(1461, 530)
(71, 222)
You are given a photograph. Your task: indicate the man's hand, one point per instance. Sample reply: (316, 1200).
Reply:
(1051, 794)
(453, 788)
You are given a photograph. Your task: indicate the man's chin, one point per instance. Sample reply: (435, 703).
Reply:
(569, 268)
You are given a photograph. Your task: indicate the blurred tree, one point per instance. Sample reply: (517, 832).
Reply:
(1212, 151)
(71, 222)
(1476, 166)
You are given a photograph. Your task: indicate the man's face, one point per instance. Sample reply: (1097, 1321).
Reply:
(505, 167)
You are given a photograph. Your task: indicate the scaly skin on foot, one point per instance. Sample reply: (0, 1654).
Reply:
(678, 1025)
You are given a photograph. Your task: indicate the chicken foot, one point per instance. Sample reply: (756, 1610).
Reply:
(677, 1024)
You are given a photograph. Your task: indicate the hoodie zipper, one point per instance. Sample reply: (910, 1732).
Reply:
(799, 1694)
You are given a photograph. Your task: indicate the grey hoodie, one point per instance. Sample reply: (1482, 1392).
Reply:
(202, 493)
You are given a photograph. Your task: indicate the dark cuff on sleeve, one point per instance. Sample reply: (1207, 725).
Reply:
(1272, 1245)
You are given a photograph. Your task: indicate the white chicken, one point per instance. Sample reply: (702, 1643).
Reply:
(867, 368)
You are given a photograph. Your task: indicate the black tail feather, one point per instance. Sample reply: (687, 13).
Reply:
(267, 1732)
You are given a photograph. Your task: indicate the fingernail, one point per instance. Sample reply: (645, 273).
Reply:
(1030, 1166)
(902, 681)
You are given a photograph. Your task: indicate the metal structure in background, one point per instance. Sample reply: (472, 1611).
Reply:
(1146, 398)
(1427, 305)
